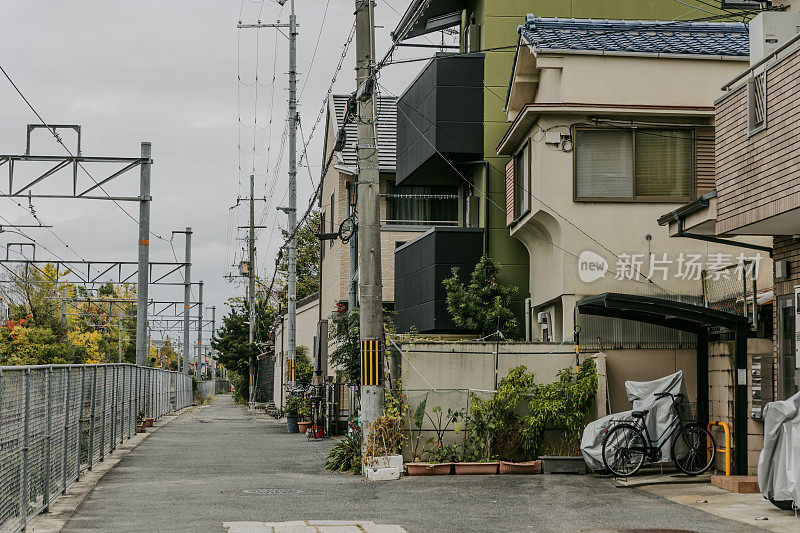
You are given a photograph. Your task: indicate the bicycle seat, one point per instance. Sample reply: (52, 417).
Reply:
(640, 414)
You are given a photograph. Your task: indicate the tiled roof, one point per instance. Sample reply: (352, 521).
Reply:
(637, 36)
(387, 132)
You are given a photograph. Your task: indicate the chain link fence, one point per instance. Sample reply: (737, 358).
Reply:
(57, 421)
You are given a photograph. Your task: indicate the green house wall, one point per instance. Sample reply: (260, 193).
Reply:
(498, 20)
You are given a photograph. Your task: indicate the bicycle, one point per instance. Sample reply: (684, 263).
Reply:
(627, 445)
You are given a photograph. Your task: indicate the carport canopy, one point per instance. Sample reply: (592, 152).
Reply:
(693, 319)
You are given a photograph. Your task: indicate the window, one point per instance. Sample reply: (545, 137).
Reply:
(645, 164)
(757, 103)
(421, 206)
(522, 181)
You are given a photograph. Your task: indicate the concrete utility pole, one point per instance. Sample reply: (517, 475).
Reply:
(291, 211)
(187, 294)
(251, 285)
(200, 333)
(369, 238)
(213, 332)
(144, 257)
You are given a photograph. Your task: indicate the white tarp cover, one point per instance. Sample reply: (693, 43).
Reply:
(779, 462)
(641, 394)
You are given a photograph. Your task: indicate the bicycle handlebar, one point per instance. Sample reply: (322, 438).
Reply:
(674, 397)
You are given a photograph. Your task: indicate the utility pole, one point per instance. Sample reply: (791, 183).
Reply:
(200, 333)
(291, 211)
(369, 239)
(144, 257)
(213, 332)
(251, 286)
(187, 294)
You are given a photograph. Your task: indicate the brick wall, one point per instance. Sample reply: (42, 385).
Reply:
(756, 176)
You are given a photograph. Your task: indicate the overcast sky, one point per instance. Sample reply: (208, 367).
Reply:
(166, 72)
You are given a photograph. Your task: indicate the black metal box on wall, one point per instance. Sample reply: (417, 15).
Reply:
(442, 110)
(420, 301)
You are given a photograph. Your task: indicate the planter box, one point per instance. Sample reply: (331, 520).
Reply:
(563, 465)
(140, 428)
(527, 467)
(148, 422)
(291, 424)
(429, 469)
(475, 468)
(302, 427)
(387, 461)
(383, 474)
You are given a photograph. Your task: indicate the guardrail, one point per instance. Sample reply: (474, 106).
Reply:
(57, 421)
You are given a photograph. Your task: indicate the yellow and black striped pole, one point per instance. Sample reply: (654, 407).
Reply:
(370, 362)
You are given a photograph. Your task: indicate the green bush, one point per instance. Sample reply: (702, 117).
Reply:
(345, 456)
(512, 423)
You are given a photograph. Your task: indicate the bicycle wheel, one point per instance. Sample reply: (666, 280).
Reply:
(624, 450)
(693, 450)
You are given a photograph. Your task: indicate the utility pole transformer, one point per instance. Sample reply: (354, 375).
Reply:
(369, 239)
(144, 257)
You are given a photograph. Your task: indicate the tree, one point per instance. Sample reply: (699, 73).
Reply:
(484, 305)
(303, 369)
(308, 259)
(232, 340)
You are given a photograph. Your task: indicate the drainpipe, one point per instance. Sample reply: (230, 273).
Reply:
(528, 319)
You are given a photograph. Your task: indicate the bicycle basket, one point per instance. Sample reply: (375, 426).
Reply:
(687, 411)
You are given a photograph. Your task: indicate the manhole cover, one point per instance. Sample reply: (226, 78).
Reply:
(272, 491)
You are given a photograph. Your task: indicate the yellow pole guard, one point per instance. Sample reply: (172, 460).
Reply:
(370, 362)
(727, 449)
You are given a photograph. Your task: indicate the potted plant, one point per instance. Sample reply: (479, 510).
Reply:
(291, 410)
(304, 415)
(442, 456)
(140, 423)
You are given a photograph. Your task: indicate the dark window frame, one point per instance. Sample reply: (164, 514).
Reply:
(634, 198)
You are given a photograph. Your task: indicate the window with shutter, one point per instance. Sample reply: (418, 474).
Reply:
(510, 192)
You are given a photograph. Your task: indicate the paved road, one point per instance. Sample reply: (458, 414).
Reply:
(219, 464)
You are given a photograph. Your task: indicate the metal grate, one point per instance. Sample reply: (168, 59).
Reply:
(757, 97)
(57, 420)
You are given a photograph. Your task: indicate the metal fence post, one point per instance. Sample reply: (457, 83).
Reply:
(122, 406)
(48, 403)
(113, 417)
(103, 421)
(90, 459)
(79, 436)
(65, 438)
(23, 497)
(1, 419)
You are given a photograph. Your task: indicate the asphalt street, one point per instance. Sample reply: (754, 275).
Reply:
(222, 464)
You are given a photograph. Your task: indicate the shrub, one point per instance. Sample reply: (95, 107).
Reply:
(484, 305)
(345, 456)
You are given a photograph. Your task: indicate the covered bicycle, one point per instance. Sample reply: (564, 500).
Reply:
(628, 445)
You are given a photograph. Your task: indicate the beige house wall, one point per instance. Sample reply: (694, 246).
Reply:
(558, 229)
